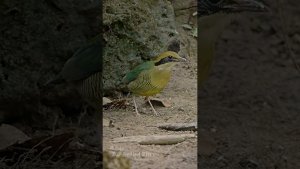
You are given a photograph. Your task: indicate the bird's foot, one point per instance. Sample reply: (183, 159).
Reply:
(154, 111)
(137, 112)
(135, 107)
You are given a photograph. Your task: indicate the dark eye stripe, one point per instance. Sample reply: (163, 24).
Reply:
(164, 60)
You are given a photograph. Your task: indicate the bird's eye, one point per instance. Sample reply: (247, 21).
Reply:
(170, 57)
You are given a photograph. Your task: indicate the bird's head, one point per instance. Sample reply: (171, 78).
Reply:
(207, 7)
(168, 58)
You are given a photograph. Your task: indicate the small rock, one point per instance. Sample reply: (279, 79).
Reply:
(105, 101)
(10, 135)
(180, 109)
(107, 123)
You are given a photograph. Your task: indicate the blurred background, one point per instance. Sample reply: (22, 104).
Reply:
(248, 108)
(37, 38)
(250, 104)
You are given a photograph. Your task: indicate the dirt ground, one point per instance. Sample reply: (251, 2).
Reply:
(250, 105)
(248, 109)
(182, 93)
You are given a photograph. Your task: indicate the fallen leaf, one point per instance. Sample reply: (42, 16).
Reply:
(161, 102)
(117, 104)
(195, 32)
(187, 26)
(106, 101)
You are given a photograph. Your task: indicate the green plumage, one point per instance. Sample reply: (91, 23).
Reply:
(85, 62)
(84, 70)
(150, 77)
(133, 74)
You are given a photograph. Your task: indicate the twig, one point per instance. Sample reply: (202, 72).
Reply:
(59, 148)
(155, 139)
(33, 148)
(40, 153)
(179, 126)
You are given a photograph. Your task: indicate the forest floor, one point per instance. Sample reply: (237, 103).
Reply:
(250, 105)
(181, 92)
(248, 109)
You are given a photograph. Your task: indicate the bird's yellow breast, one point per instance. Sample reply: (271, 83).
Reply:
(152, 81)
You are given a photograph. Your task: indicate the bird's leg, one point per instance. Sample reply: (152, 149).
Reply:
(135, 106)
(155, 112)
(82, 114)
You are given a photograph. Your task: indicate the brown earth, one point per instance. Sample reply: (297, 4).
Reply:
(248, 109)
(182, 93)
(250, 105)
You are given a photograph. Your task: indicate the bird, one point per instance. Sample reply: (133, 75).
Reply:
(151, 77)
(84, 70)
(213, 17)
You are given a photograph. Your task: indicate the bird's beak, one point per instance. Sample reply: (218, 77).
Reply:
(181, 59)
(246, 5)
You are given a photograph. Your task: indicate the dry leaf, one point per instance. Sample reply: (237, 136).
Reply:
(187, 26)
(106, 101)
(161, 102)
(117, 104)
(195, 32)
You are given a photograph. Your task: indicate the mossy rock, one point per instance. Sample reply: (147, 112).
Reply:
(134, 31)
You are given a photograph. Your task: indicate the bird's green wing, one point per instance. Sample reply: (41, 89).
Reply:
(133, 74)
(85, 62)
